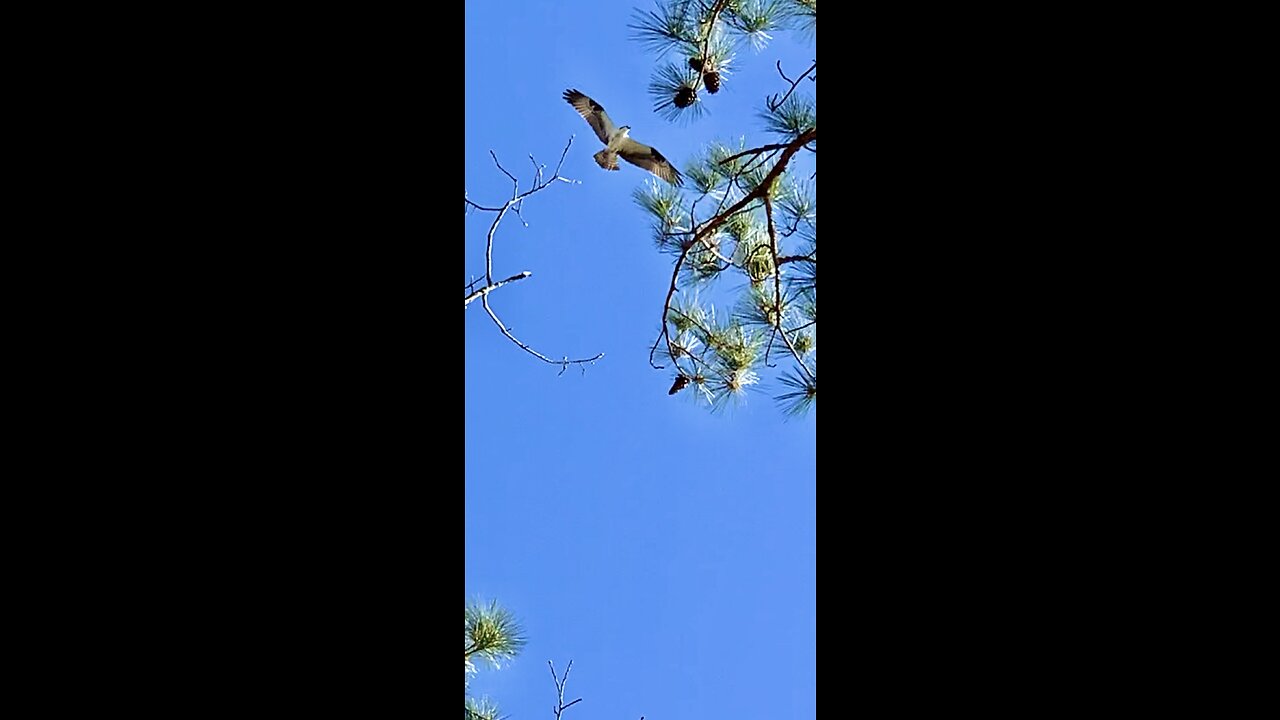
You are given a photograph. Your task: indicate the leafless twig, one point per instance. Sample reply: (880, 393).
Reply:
(494, 286)
(773, 102)
(756, 151)
(514, 204)
(560, 681)
(798, 258)
(564, 363)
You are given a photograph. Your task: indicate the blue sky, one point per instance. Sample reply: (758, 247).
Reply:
(668, 551)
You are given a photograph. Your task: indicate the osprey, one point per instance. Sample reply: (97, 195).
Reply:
(618, 144)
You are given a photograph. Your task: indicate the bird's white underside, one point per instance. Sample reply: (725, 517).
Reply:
(617, 142)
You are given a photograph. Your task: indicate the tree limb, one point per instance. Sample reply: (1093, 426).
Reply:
(514, 204)
(761, 190)
(494, 286)
(565, 363)
(777, 288)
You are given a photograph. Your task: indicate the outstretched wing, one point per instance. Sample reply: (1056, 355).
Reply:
(650, 159)
(594, 114)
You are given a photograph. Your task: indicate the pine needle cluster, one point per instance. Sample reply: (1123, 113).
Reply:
(746, 223)
(491, 634)
(699, 40)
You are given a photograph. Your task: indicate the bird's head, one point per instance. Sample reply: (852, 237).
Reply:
(624, 130)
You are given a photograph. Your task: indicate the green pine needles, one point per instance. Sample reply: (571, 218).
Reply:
(492, 635)
(744, 229)
(704, 38)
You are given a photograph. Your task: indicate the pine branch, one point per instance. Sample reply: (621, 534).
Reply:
(703, 47)
(494, 286)
(759, 191)
(491, 632)
(777, 288)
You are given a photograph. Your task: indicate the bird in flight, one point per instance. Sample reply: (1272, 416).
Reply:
(618, 144)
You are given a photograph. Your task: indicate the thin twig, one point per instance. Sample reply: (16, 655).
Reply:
(762, 189)
(751, 166)
(560, 683)
(755, 151)
(773, 333)
(784, 75)
(666, 308)
(799, 258)
(777, 288)
(798, 328)
(478, 206)
(515, 204)
(686, 352)
(490, 288)
(565, 363)
(514, 183)
(537, 170)
(775, 104)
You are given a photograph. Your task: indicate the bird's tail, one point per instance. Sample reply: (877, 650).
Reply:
(607, 160)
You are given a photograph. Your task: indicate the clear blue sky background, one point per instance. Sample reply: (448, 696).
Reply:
(668, 551)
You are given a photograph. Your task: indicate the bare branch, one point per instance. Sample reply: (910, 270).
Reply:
(756, 151)
(501, 211)
(666, 308)
(477, 206)
(799, 258)
(490, 288)
(773, 102)
(565, 363)
(798, 328)
(537, 170)
(560, 683)
(515, 204)
(784, 75)
(515, 184)
(562, 154)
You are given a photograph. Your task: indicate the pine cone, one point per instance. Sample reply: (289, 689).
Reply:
(696, 64)
(685, 97)
(712, 80)
(678, 385)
